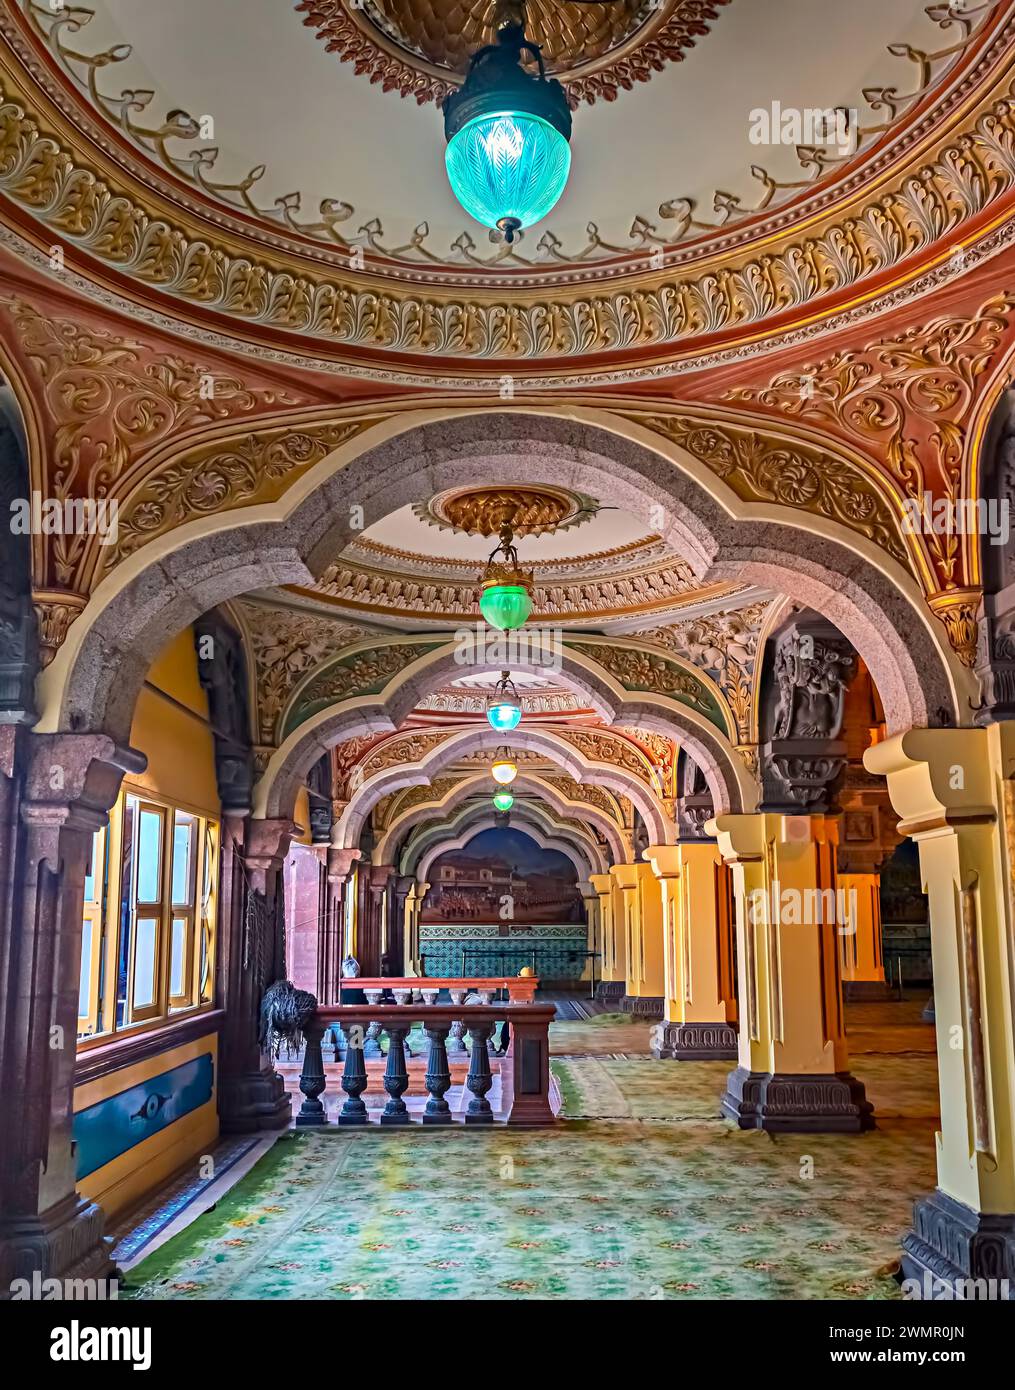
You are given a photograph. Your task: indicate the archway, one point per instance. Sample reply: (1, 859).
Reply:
(93, 682)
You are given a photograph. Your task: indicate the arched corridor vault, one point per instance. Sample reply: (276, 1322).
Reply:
(543, 741)
(93, 682)
(442, 814)
(728, 779)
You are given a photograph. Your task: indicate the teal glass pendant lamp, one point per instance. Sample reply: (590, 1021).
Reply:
(508, 132)
(504, 708)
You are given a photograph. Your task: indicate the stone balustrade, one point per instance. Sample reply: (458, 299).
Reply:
(524, 1071)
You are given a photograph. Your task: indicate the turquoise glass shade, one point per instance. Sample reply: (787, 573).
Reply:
(508, 165)
(503, 801)
(504, 716)
(505, 606)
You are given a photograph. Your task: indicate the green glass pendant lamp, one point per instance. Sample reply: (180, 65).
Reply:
(508, 132)
(506, 598)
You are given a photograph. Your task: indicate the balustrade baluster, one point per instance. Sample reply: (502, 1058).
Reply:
(438, 1078)
(396, 1078)
(312, 1079)
(480, 1078)
(354, 1078)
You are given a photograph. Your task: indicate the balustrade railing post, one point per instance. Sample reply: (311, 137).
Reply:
(396, 1078)
(479, 1079)
(312, 1079)
(354, 1078)
(438, 1077)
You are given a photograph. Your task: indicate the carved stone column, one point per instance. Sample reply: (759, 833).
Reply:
(251, 1093)
(793, 1061)
(56, 791)
(330, 950)
(371, 944)
(954, 792)
(398, 896)
(700, 1012)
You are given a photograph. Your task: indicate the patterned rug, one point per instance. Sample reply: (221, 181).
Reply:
(593, 1211)
(641, 1192)
(606, 1088)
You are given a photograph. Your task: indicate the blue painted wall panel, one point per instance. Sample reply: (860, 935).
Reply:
(109, 1128)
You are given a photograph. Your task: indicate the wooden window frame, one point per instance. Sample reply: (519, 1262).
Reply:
(201, 915)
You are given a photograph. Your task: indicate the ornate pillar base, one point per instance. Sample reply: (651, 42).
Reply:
(64, 1242)
(253, 1101)
(642, 1004)
(695, 1042)
(952, 1243)
(611, 991)
(797, 1102)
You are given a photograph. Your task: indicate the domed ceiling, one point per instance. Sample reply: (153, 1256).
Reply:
(594, 566)
(319, 118)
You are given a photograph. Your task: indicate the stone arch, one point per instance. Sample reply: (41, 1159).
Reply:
(729, 781)
(94, 680)
(545, 741)
(471, 786)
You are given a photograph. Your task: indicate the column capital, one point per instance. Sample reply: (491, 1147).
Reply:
(340, 862)
(938, 777)
(267, 842)
(602, 883)
(626, 875)
(665, 860)
(741, 839)
(72, 780)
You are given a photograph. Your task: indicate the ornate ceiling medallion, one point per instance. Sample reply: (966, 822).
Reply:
(530, 511)
(421, 48)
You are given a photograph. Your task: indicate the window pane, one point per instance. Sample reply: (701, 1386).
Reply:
(177, 958)
(126, 910)
(84, 986)
(149, 855)
(93, 868)
(144, 962)
(184, 835)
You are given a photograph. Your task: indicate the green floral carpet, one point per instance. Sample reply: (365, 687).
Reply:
(651, 1196)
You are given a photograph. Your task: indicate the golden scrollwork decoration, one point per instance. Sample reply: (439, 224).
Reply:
(59, 29)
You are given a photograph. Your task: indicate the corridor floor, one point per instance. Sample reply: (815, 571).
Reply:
(642, 1191)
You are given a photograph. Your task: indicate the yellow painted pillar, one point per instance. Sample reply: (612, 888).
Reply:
(862, 959)
(612, 968)
(627, 922)
(593, 932)
(792, 1073)
(649, 986)
(952, 789)
(700, 1009)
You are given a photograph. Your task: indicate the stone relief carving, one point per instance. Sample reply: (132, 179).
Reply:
(811, 677)
(112, 397)
(909, 399)
(361, 674)
(973, 171)
(769, 470)
(725, 646)
(804, 758)
(286, 644)
(392, 66)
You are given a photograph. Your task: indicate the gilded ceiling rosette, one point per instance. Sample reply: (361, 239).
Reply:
(421, 48)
